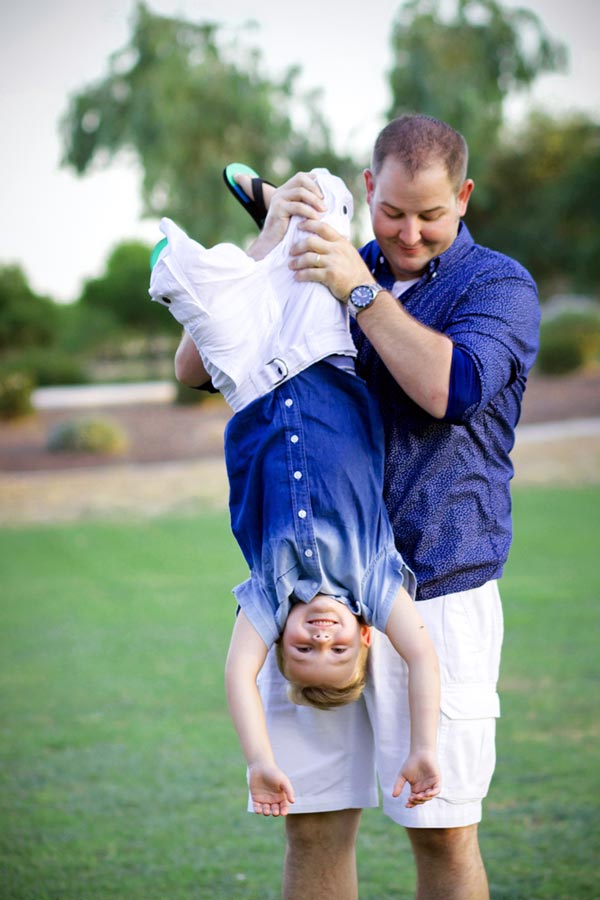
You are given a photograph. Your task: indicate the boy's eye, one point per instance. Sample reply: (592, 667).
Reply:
(303, 649)
(339, 649)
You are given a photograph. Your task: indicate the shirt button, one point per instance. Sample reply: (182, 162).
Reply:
(297, 475)
(301, 513)
(308, 553)
(294, 439)
(289, 402)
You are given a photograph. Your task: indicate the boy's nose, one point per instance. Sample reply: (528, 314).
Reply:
(321, 636)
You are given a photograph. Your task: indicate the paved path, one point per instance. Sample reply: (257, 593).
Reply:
(567, 429)
(88, 395)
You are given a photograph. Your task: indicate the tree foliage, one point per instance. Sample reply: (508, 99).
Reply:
(26, 318)
(542, 203)
(187, 103)
(122, 292)
(461, 68)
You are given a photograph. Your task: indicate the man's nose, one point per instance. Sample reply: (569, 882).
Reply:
(410, 232)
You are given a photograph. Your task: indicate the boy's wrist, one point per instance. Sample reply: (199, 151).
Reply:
(260, 762)
(423, 750)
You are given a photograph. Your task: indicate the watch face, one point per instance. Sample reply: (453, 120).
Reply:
(362, 295)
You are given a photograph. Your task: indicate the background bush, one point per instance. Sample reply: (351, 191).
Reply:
(16, 388)
(88, 435)
(569, 341)
(49, 366)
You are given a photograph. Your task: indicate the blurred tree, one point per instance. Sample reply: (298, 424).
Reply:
(122, 292)
(460, 68)
(26, 318)
(187, 104)
(543, 201)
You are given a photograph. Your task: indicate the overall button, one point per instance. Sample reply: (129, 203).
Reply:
(301, 513)
(297, 475)
(308, 553)
(289, 402)
(294, 439)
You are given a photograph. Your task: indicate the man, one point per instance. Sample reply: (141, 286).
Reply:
(446, 333)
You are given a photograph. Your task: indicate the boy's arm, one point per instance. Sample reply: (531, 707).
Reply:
(189, 368)
(270, 788)
(407, 633)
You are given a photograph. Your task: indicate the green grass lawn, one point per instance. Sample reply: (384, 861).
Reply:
(120, 773)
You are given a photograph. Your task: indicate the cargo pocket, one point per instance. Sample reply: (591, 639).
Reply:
(467, 746)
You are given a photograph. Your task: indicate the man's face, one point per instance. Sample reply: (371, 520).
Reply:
(414, 219)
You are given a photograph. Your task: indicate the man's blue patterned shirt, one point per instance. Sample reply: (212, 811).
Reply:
(447, 483)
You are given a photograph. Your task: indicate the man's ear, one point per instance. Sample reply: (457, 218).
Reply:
(369, 183)
(463, 196)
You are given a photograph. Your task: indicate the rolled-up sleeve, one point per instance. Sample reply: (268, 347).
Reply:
(496, 325)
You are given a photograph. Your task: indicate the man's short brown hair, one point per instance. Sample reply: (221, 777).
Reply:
(418, 142)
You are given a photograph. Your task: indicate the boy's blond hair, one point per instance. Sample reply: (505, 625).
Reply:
(326, 697)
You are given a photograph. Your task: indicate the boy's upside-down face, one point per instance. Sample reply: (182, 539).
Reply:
(322, 642)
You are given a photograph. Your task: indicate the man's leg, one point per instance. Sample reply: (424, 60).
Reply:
(449, 864)
(466, 629)
(320, 858)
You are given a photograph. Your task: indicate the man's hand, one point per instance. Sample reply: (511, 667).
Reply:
(270, 789)
(422, 772)
(327, 257)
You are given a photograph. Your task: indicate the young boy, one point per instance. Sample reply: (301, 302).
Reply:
(304, 455)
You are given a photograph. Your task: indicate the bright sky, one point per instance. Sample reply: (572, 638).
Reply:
(60, 228)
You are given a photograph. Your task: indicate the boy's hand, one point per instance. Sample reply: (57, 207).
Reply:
(422, 772)
(270, 789)
(299, 196)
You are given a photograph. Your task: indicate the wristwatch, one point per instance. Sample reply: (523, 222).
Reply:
(362, 297)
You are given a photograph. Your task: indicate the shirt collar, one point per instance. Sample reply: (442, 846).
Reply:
(459, 247)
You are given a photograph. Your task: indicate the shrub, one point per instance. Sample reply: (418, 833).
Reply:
(88, 435)
(15, 394)
(568, 342)
(48, 366)
(559, 354)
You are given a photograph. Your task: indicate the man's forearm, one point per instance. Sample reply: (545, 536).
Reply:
(417, 357)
